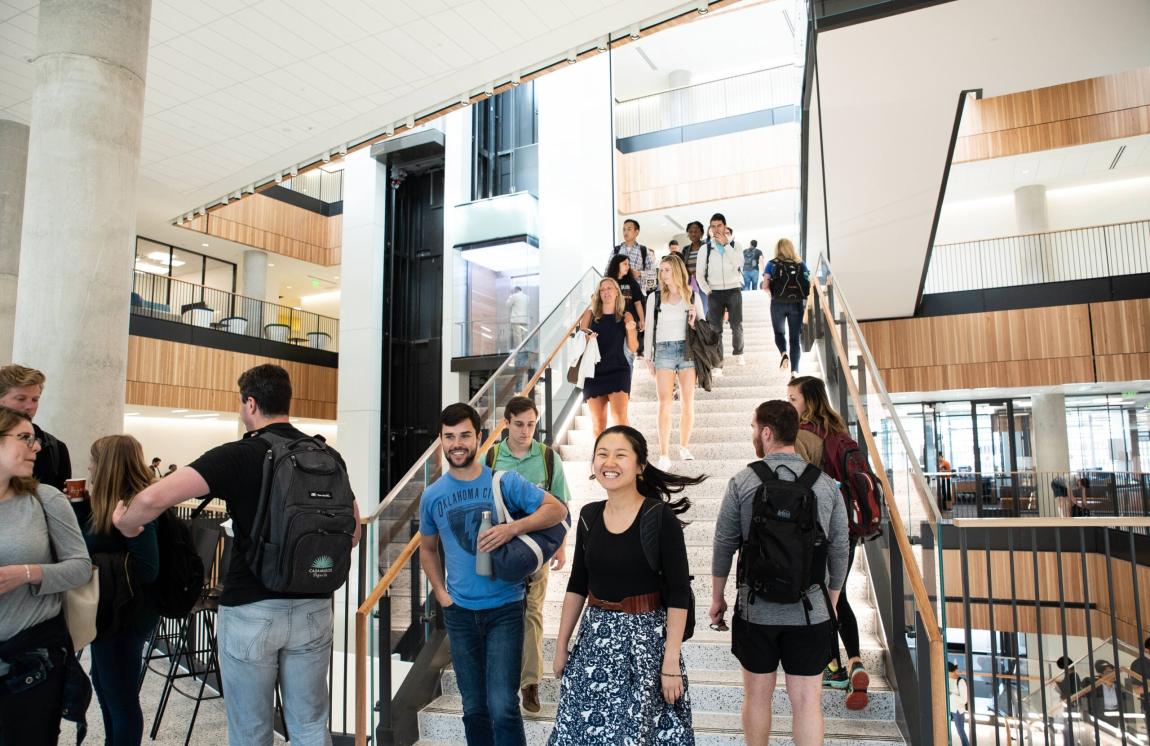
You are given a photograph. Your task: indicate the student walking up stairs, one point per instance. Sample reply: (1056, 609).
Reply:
(722, 446)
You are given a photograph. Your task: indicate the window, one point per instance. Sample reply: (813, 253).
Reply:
(505, 133)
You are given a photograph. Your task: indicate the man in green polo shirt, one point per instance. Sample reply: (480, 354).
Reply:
(541, 466)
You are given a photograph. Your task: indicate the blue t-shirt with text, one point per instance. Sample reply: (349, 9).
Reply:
(452, 509)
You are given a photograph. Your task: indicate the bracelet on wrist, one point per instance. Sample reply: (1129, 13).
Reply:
(672, 675)
(27, 574)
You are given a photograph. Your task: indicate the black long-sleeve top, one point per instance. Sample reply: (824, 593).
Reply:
(613, 566)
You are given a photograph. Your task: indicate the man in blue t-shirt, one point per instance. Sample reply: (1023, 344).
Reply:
(483, 615)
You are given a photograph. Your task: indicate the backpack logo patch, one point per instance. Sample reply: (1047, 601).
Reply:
(321, 566)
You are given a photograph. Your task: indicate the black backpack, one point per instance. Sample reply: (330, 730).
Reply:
(785, 550)
(301, 538)
(789, 282)
(181, 577)
(650, 528)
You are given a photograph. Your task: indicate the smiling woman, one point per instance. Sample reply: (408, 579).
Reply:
(42, 554)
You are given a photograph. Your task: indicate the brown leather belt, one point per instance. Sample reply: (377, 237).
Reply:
(629, 605)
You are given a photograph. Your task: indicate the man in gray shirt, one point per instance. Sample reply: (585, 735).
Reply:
(766, 633)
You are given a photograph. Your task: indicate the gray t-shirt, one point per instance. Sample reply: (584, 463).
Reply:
(733, 525)
(24, 540)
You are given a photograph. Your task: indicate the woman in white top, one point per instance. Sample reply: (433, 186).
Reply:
(670, 310)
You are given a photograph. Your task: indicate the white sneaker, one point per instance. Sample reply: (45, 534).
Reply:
(664, 463)
(739, 360)
(685, 455)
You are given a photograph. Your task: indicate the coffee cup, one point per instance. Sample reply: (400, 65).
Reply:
(75, 489)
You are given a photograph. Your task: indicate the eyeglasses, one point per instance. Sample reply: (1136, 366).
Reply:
(28, 439)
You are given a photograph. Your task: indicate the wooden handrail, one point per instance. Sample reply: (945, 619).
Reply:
(939, 708)
(365, 609)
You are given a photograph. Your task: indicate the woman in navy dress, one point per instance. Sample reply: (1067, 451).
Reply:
(615, 329)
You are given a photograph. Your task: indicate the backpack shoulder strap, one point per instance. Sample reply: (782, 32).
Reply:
(589, 517)
(501, 515)
(650, 530)
(643, 254)
(762, 471)
(809, 476)
(548, 467)
(655, 321)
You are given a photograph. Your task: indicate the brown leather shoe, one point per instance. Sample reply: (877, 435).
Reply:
(530, 694)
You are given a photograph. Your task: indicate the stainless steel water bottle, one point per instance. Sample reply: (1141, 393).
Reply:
(483, 559)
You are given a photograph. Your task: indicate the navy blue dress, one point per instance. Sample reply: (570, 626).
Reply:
(612, 372)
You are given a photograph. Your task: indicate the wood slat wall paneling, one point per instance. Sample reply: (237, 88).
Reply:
(275, 226)
(1084, 111)
(1026, 347)
(715, 168)
(170, 374)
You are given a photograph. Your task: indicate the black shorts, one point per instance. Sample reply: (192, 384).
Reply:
(804, 650)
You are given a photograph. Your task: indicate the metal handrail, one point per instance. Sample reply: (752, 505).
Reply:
(704, 83)
(365, 609)
(935, 641)
(393, 493)
(195, 287)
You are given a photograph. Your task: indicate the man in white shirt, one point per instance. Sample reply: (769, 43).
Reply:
(517, 316)
(720, 275)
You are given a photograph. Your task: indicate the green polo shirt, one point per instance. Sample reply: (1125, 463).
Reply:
(533, 468)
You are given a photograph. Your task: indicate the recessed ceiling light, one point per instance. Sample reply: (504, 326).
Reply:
(289, 287)
(180, 411)
(270, 264)
(197, 416)
(337, 277)
(131, 414)
(204, 245)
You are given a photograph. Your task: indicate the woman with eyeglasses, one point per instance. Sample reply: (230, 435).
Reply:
(117, 473)
(42, 554)
(624, 682)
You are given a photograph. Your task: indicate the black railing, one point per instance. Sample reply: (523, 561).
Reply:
(1051, 616)
(160, 297)
(1048, 494)
(1057, 256)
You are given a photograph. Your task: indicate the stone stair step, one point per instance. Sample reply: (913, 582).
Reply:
(701, 451)
(441, 721)
(742, 407)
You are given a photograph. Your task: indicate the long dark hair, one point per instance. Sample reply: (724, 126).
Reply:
(613, 266)
(654, 482)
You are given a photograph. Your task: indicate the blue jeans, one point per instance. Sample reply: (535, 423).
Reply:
(960, 726)
(788, 317)
(750, 279)
(487, 652)
(116, 664)
(288, 638)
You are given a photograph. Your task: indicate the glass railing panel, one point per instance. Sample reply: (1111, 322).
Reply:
(168, 299)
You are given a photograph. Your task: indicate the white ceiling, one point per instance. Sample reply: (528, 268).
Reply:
(889, 91)
(754, 35)
(1074, 166)
(238, 89)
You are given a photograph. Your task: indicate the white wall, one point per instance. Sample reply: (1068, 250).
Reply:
(889, 95)
(179, 440)
(576, 225)
(1068, 207)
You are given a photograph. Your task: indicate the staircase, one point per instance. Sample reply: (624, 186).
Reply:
(721, 444)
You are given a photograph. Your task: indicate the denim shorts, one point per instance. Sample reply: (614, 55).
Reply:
(672, 356)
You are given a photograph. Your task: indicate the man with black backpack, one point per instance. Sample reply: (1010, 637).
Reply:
(295, 523)
(788, 523)
(540, 465)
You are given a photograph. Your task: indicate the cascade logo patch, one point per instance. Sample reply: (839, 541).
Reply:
(321, 566)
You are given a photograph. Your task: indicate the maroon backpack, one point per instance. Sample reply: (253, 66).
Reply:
(844, 462)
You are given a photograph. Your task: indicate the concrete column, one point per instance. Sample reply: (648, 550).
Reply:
(361, 324)
(1031, 216)
(13, 167)
(254, 290)
(1050, 444)
(77, 243)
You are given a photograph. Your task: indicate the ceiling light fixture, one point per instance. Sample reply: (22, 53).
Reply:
(270, 264)
(389, 130)
(326, 156)
(411, 122)
(465, 99)
(187, 217)
(343, 149)
(237, 195)
(604, 44)
(489, 89)
(294, 171)
(225, 199)
(180, 411)
(250, 189)
(279, 177)
(204, 245)
(572, 57)
(202, 211)
(704, 6)
(516, 79)
(635, 32)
